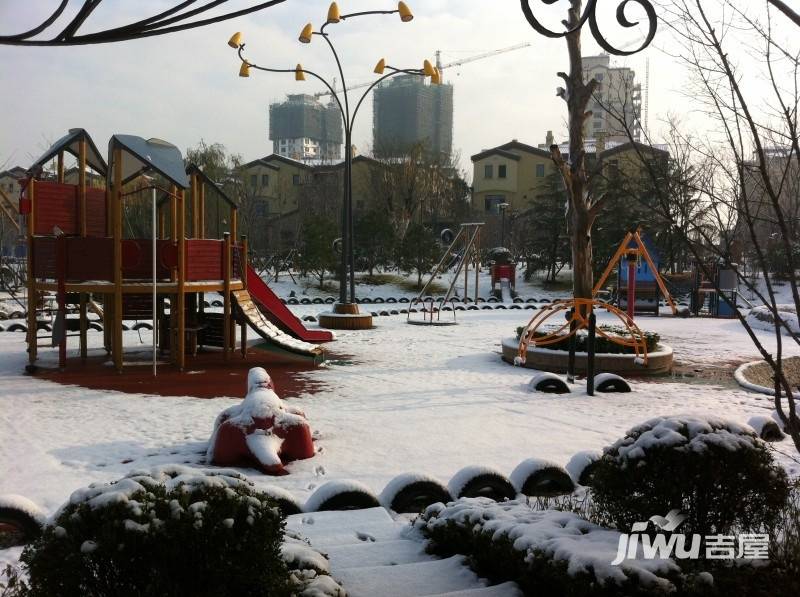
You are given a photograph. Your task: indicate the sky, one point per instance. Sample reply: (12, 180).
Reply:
(184, 87)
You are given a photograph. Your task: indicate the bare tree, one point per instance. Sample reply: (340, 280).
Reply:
(742, 170)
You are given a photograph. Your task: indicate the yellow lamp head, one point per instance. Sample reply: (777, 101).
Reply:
(379, 68)
(333, 13)
(405, 12)
(244, 70)
(306, 33)
(299, 75)
(436, 77)
(236, 40)
(427, 68)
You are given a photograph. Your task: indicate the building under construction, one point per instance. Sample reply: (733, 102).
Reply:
(303, 128)
(407, 111)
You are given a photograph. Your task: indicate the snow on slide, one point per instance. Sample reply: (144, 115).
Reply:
(505, 291)
(270, 332)
(278, 313)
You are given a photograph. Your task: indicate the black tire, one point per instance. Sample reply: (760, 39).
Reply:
(293, 301)
(17, 527)
(403, 300)
(418, 495)
(518, 300)
(305, 301)
(330, 300)
(17, 327)
(310, 318)
(43, 325)
(460, 308)
(548, 481)
(485, 307)
(95, 326)
(394, 312)
(16, 315)
(318, 301)
(486, 484)
(142, 325)
(500, 307)
(378, 301)
(125, 327)
(493, 299)
(472, 308)
(385, 313)
(531, 300)
(515, 307)
(343, 496)
(531, 307)
(206, 304)
(218, 303)
(391, 299)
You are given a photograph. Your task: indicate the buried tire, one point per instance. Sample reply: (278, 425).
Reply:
(285, 501)
(479, 481)
(341, 495)
(20, 521)
(411, 494)
(540, 478)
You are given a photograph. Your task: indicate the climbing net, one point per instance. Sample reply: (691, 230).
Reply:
(576, 314)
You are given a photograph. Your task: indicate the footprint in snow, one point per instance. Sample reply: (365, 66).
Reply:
(319, 471)
(365, 537)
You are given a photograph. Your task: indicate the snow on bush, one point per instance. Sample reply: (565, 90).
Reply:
(762, 318)
(170, 531)
(547, 552)
(719, 474)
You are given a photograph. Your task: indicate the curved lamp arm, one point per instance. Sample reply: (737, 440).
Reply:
(294, 70)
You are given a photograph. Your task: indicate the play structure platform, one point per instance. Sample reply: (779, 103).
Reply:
(79, 251)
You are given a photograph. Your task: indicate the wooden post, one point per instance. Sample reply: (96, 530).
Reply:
(234, 222)
(244, 284)
(226, 299)
(181, 298)
(467, 251)
(60, 170)
(195, 182)
(82, 186)
(117, 218)
(83, 323)
(173, 227)
(61, 297)
(31, 190)
(202, 210)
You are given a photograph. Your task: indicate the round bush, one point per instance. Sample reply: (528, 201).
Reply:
(173, 531)
(717, 473)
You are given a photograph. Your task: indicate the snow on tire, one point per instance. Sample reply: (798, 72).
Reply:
(581, 465)
(541, 478)
(481, 481)
(21, 520)
(286, 502)
(341, 495)
(412, 493)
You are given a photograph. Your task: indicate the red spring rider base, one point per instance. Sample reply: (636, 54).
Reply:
(262, 431)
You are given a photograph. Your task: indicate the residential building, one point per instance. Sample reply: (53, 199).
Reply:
(408, 110)
(618, 97)
(303, 128)
(10, 221)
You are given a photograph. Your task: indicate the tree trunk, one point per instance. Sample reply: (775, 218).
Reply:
(581, 210)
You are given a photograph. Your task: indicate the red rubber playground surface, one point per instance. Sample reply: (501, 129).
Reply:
(206, 376)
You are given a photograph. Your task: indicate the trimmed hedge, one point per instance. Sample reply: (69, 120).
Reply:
(717, 473)
(172, 532)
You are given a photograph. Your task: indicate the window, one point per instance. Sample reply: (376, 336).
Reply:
(492, 203)
(254, 180)
(265, 180)
(487, 171)
(539, 170)
(501, 171)
(598, 124)
(599, 77)
(261, 209)
(295, 179)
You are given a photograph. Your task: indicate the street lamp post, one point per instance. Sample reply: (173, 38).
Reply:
(503, 207)
(346, 303)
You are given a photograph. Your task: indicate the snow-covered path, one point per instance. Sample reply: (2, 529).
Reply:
(371, 554)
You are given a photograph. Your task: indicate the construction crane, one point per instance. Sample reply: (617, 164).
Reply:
(441, 66)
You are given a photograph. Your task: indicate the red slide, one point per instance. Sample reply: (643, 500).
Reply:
(272, 307)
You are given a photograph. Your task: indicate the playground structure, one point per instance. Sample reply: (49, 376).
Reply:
(77, 250)
(579, 315)
(715, 290)
(468, 238)
(503, 271)
(638, 278)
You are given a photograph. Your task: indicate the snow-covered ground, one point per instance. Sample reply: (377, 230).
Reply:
(413, 399)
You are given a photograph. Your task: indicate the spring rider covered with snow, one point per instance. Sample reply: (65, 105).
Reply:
(262, 431)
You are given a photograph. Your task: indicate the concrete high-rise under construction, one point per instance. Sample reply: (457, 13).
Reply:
(408, 111)
(303, 128)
